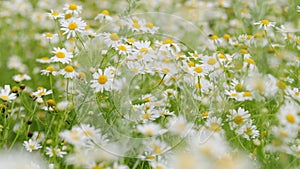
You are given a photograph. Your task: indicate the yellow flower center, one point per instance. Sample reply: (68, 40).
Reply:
(69, 69)
(68, 15)
(122, 48)
(250, 61)
(168, 41)
(136, 25)
(114, 37)
(54, 13)
(213, 37)
(247, 94)
(102, 79)
(191, 64)
(130, 40)
(45, 58)
(238, 87)
(73, 26)
(105, 12)
(198, 69)
(165, 70)
(48, 35)
(211, 61)
(249, 131)
(281, 85)
(60, 54)
(50, 68)
(297, 93)
(149, 25)
(31, 147)
(226, 36)
(149, 132)
(158, 150)
(238, 120)
(146, 116)
(88, 133)
(214, 127)
(4, 98)
(243, 51)
(144, 50)
(42, 93)
(73, 7)
(221, 56)
(265, 22)
(233, 94)
(290, 118)
(97, 167)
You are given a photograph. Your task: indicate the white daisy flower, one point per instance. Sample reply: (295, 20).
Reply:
(72, 27)
(41, 92)
(50, 151)
(21, 77)
(54, 15)
(248, 130)
(44, 60)
(123, 49)
(288, 114)
(31, 145)
(102, 80)
(238, 118)
(68, 72)
(52, 38)
(110, 39)
(5, 94)
(151, 129)
(61, 55)
(179, 125)
(74, 136)
(265, 24)
(104, 16)
(214, 124)
(49, 70)
(72, 8)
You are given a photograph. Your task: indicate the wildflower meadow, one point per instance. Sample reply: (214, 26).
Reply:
(150, 84)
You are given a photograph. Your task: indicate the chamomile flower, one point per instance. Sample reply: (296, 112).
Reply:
(44, 60)
(54, 15)
(61, 55)
(265, 24)
(90, 131)
(72, 8)
(150, 129)
(102, 80)
(237, 118)
(50, 151)
(248, 131)
(123, 49)
(179, 125)
(111, 39)
(69, 72)
(31, 145)
(21, 77)
(40, 93)
(294, 93)
(5, 94)
(74, 136)
(52, 38)
(288, 114)
(298, 8)
(50, 70)
(214, 124)
(73, 27)
(104, 16)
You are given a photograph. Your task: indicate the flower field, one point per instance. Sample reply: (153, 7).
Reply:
(158, 84)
